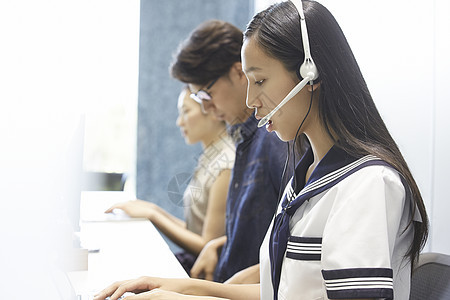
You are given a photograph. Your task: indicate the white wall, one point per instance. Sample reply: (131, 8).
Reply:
(58, 60)
(401, 47)
(440, 208)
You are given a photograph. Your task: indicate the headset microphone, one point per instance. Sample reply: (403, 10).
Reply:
(308, 70)
(289, 96)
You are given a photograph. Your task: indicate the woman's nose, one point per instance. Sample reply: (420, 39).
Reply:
(252, 100)
(179, 121)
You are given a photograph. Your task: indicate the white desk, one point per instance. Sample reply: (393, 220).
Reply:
(126, 248)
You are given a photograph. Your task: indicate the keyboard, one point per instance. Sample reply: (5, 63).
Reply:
(91, 296)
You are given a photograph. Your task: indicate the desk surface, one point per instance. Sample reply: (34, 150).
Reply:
(123, 249)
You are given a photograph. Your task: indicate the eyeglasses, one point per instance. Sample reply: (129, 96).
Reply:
(202, 94)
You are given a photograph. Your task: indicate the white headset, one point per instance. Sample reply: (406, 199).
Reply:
(308, 70)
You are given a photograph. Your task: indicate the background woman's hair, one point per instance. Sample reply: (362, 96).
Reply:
(346, 107)
(208, 53)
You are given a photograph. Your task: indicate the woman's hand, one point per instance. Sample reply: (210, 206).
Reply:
(249, 275)
(135, 208)
(157, 288)
(137, 286)
(207, 260)
(159, 294)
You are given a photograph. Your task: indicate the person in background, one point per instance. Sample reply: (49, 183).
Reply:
(205, 196)
(351, 222)
(209, 61)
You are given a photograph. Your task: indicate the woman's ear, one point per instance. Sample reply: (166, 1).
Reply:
(313, 87)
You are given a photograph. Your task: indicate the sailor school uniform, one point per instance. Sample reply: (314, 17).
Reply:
(343, 234)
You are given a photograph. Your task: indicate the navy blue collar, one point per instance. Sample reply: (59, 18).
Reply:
(335, 159)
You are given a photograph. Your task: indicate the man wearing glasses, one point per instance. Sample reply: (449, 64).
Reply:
(209, 61)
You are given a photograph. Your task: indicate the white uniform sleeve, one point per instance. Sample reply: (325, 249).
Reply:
(360, 234)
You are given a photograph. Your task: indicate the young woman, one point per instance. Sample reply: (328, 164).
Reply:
(205, 197)
(351, 222)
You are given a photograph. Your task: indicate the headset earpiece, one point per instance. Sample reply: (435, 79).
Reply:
(308, 67)
(300, 77)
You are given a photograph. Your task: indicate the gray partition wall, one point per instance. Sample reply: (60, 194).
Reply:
(164, 161)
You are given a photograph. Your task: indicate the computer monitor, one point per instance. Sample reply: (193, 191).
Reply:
(72, 175)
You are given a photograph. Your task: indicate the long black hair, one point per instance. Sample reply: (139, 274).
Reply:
(346, 108)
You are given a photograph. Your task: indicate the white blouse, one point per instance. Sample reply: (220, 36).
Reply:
(347, 239)
(216, 157)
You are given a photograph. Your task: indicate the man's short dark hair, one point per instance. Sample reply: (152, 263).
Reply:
(208, 53)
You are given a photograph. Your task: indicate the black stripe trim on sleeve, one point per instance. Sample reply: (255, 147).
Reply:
(306, 240)
(304, 248)
(387, 294)
(300, 256)
(359, 283)
(357, 272)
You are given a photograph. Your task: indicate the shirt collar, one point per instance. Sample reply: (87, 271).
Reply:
(243, 131)
(334, 159)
